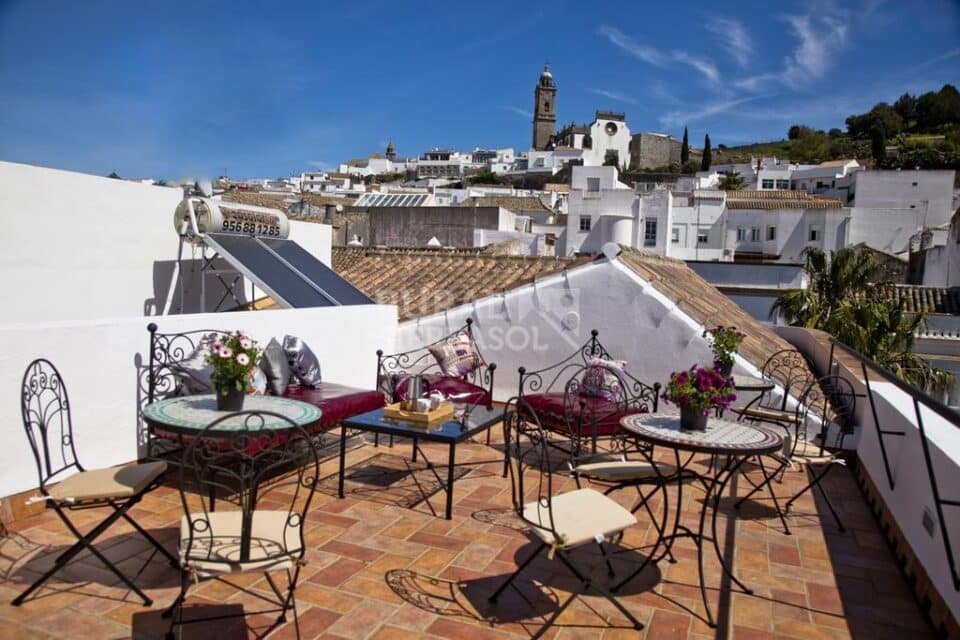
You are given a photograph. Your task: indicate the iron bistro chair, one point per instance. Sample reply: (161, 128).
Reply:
(250, 458)
(46, 418)
(788, 369)
(835, 400)
(562, 522)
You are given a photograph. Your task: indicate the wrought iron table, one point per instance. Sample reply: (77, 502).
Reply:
(188, 415)
(732, 443)
(180, 418)
(467, 421)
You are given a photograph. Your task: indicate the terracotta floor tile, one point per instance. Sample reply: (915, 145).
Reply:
(817, 583)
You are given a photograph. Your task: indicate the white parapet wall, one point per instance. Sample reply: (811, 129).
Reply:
(80, 247)
(910, 499)
(99, 362)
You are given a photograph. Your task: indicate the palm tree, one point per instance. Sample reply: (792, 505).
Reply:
(846, 275)
(732, 181)
(844, 299)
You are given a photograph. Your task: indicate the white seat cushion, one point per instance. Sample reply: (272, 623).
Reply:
(103, 484)
(578, 517)
(624, 470)
(273, 543)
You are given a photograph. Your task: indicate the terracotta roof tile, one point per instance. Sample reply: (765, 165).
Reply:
(514, 203)
(778, 199)
(705, 303)
(422, 282)
(934, 300)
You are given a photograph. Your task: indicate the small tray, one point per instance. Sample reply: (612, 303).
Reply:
(440, 414)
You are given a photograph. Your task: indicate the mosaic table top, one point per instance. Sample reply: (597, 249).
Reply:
(194, 413)
(720, 436)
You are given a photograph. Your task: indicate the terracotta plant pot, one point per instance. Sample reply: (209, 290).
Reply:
(232, 400)
(692, 419)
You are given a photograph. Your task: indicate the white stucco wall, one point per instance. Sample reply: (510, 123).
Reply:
(539, 324)
(884, 229)
(98, 360)
(929, 192)
(80, 247)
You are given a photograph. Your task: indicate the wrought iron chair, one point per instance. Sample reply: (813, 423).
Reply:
(46, 417)
(250, 458)
(827, 401)
(395, 369)
(562, 522)
(838, 402)
(617, 470)
(554, 396)
(789, 370)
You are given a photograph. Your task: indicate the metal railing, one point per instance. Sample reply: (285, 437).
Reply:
(931, 403)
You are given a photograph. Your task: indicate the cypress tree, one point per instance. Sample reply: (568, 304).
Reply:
(707, 159)
(878, 146)
(684, 148)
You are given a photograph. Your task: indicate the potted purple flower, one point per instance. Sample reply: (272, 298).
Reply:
(697, 391)
(724, 341)
(233, 358)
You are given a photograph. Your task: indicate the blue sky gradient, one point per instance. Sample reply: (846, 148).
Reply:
(263, 89)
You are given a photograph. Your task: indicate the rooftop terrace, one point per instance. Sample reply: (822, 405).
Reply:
(383, 565)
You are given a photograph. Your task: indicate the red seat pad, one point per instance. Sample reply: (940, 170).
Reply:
(335, 401)
(465, 392)
(563, 417)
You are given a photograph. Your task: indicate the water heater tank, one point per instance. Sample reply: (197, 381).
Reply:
(218, 216)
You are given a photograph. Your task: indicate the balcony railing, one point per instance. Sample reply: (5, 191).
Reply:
(921, 401)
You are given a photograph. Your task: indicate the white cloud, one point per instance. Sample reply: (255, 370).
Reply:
(953, 53)
(734, 38)
(614, 95)
(821, 38)
(657, 58)
(677, 117)
(519, 111)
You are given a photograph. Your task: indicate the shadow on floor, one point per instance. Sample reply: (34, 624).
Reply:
(532, 599)
(130, 552)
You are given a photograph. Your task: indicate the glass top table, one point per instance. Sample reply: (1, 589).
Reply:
(467, 421)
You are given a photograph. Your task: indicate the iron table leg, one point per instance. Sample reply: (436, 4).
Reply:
(343, 460)
(450, 463)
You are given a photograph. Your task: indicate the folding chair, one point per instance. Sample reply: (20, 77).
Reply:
(46, 418)
(788, 369)
(250, 458)
(614, 471)
(562, 522)
(833, 398)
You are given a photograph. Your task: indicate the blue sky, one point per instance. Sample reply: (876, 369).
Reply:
(267, 89)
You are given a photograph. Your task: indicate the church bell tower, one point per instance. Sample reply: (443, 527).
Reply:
(544, 109)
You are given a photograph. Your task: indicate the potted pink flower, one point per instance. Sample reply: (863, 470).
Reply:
(697, 391)
(233, 356)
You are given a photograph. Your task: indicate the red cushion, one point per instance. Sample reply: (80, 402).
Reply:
(564, 417)
(465, 392)
(336, 402)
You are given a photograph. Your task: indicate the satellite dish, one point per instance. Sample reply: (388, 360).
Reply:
(339, 208)
(205, 187)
